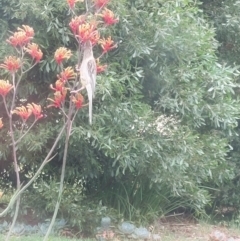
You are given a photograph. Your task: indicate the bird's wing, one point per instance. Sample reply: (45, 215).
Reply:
(92, 71)
(90, 97)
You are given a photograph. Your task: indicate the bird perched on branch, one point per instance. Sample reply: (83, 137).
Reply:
(88, 73)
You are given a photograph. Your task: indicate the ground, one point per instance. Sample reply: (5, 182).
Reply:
(181, 228)
(174, 229)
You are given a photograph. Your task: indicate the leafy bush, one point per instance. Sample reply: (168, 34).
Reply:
(165, 72)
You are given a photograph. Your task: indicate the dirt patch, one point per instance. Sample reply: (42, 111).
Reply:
(184, 227)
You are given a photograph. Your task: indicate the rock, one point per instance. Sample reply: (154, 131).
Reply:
(156, 237)
(126, 228)
(142, 233)
(105, 222)
(217, 236)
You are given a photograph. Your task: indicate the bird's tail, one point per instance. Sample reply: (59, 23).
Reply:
(90, 97)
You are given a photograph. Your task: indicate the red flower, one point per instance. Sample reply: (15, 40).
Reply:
(108, 17)
(59, 98)
(5, 87)
(67, 74)
(23, 112)
(71, 3)
(34, 51)
(36, 110)
(22, 36)
(101, 3)
(75, 22)
(59, 86)
(107, 44)
(94, 38)
(1, 123)
(88, 32)
(78, 100)
(100, 68)
(28, 30)
(18, 39)
(11, 63)
(61, 54)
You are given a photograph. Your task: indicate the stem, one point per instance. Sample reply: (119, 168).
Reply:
(68, 133)
(26, 132)
(101, 55)
(5, 104)
(16, 167)
(14, 219)
(46, 160)
(86, 2)
(25, 71)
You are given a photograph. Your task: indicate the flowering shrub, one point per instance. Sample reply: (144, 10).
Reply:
(85, 28)
(67, 97)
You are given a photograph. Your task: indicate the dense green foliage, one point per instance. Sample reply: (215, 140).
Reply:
(165, 112)
(225, 19)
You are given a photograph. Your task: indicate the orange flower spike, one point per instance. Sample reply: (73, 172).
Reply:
(5, 87)
(108, 17)
(22, 36)
(1, 123)
(59, 97)
(75, 22)
(34, 51)
(18, 39)
(36, 110)
(84, 32)
(59, 85)
(107, 44)
(101, 3)
(67, 74)
(87, 31)
(95, 37)
(11, 64)
(23, 112)
(100, 68)
(57, 102)
(28, 30)
(71, 3)
(61, 54)
(78, 100)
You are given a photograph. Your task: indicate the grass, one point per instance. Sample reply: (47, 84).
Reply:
(37, 238)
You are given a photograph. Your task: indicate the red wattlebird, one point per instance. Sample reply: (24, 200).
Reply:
(88, 73)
